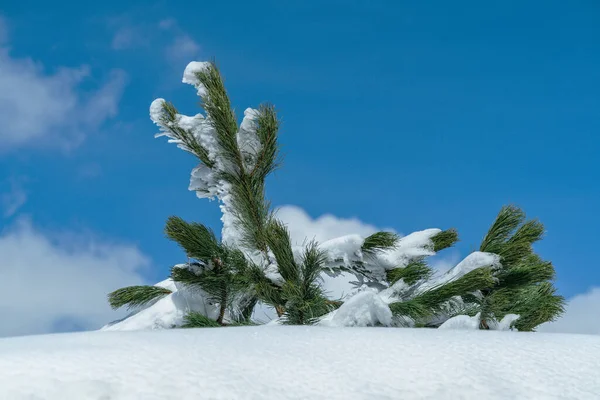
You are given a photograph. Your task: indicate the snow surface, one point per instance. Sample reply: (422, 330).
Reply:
(285, 363)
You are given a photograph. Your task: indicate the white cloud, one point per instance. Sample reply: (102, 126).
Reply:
(444, 261)
(50, 280)
(581, 315)
(183, 48)
(13, 198)
(302, 226)
(38, 108)
(177, 45)
(128, 37)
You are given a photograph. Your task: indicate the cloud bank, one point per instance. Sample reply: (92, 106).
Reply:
(55, 282)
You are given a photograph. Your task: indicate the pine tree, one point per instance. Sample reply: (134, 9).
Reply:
(234, 163)
(254, 260)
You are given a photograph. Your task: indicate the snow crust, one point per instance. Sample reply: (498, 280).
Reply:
(292, 363)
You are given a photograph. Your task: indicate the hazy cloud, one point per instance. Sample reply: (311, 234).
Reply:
(50, 280)
(581, 315)
(39, 108)
(12, 197)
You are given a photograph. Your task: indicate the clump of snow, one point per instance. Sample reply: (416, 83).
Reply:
(462, 322)
(167, 284)
(472, 323)
(156, 110)
(473, 261)
(409, 247)
(505, 324)
(342, 251)
(293, 363)
(190, 75)
(363, 309)
(247, 139)
(477, 259)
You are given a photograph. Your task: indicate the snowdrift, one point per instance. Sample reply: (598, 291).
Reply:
(281, 362)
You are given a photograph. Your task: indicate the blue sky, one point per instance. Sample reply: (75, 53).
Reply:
(402, 115)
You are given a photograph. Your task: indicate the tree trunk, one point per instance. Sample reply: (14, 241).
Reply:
(223, 300)
(279, 310)
(483, 324)
(222, 305)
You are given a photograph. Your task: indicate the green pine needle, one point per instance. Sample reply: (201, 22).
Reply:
(195, 319)
(195, 239)
(380, 241)
(278, 239)
(508, 219)
(444, 239)
(415, 271)
(432, 302)
(136, 296)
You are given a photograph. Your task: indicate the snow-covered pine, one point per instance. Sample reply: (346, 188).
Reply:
(393, 284)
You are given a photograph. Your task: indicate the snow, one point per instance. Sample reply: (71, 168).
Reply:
(477, 259)
(409, 247)
(247, 139)
(462, 322)
(472, 323)
(169, 311)
(363, 309)
(285, 363)
(473, 261)
(189, 75)
(156, 110)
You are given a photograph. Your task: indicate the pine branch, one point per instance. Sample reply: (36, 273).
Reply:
(267, 127)
(519, 245)
(278, 239)
(217, 105)
(531, 270)
(432, 302)
(380, 241)
(444, 239)
(195, 239)
(136, 296)
(539, 304)
(250, 208)
(197, 320)
(508, 219)
(523, 285)
(415, 271)
(191, 145)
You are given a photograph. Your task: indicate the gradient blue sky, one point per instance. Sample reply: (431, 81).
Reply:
(403, 114)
